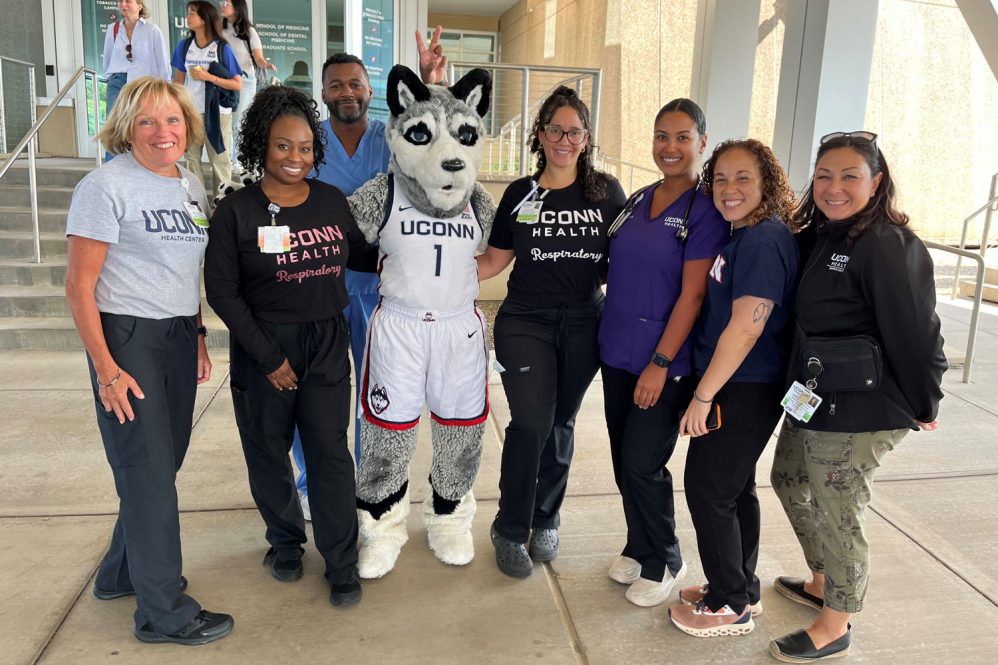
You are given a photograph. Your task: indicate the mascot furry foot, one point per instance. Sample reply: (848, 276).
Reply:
(450, 535)
(381, 540)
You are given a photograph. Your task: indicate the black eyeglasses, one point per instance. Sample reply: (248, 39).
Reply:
(128, 51)
(553, 133)
(866, 136)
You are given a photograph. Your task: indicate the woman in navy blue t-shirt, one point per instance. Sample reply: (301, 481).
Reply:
(738, 352)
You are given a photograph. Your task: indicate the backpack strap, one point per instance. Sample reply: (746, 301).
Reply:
(117, 25)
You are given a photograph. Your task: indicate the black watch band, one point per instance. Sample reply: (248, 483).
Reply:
(660, 359)
(201, 330)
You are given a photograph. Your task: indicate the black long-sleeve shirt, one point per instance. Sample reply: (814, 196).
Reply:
(881, 286)
(306, 283)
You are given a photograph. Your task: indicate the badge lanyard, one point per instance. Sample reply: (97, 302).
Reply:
(274, 239)
(198, 216)
(528, 210)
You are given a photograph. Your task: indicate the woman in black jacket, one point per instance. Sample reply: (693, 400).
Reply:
(866, 363)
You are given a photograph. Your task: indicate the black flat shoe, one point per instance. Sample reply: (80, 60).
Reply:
(204, 628)
(511, 558)
(347, 593)
(102, 594)
(543, 545)
(286, 570)
(798, 648)
(793, 588)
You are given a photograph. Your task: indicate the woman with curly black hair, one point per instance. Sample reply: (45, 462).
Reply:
(555, 224)
(274, 273)
(739, 353)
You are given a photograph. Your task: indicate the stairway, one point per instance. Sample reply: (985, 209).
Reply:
(968, 287)
(34, 314)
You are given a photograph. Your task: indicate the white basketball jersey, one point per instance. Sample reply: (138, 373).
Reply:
(427, 262)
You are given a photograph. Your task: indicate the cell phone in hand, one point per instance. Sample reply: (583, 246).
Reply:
(714, 417)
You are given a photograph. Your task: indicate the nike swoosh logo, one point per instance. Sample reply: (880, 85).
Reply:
(401, 209)
(472, 334)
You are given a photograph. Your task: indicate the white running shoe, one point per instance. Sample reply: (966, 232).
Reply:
(625, 570)
(649, 593)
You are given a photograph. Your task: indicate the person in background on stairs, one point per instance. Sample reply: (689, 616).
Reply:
(137, 231)
(242, 36)
(133, 47)
(869, 353)
(555, 224)
(660, 253)
(204, 63)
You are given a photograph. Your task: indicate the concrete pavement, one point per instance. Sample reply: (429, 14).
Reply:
(933, 528)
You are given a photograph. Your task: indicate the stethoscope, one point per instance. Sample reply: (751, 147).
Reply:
(681, 233)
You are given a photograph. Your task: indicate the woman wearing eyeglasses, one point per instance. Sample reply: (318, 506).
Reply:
(133, 47)
(660, 252)
(869, 356)
(554, 223)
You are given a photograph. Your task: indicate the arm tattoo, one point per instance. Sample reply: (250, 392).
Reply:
(762, 312)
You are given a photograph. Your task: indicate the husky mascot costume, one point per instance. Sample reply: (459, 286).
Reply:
(426, 341)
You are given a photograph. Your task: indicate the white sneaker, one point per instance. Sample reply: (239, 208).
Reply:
(303, 499)
(625, 570)
(649, 593)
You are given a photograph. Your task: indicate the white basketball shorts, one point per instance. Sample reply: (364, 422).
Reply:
(415, 356)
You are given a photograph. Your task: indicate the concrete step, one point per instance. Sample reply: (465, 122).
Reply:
(48, 197)
(59, 334)
(968, 287)
(20, 244)
(44, 301)
(23, 272)
(16, 218)
(54, 176)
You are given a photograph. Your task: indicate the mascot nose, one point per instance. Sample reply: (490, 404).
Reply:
(452, 164)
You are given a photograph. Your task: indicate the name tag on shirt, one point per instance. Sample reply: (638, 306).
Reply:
(274, 239)
(800, 402)
(529, 212)
(197, 215)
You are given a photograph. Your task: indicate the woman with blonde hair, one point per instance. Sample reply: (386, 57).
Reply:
(738, 353)
(137, 235)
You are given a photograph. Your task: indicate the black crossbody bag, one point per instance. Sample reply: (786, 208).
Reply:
(841, 364)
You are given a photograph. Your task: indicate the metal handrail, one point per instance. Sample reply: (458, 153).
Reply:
(978, 298)
(603, 160)
(30, 140)
(983, 247)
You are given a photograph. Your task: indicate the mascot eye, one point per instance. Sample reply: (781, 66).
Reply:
(467, 134)
(418, 134)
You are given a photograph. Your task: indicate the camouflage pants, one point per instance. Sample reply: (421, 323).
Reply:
(824, 481)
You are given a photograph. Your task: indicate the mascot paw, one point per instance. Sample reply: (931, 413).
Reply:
(381, 540)
(226, 188)
(450, 535)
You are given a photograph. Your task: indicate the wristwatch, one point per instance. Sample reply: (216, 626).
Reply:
(201, 330)
(660, 359)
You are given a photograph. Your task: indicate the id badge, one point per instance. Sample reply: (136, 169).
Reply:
(529, 212)
(800, 402)
(197, 215)
(274, 239)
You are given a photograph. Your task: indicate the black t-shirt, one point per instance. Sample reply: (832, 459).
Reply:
(562, 257)
(244, 285)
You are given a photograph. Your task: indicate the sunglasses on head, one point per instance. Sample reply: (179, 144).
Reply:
(866, 136)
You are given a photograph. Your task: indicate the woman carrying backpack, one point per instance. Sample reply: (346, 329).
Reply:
(242, 36)
(208, 68)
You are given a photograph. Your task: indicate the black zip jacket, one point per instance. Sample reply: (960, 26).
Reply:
(881, 286)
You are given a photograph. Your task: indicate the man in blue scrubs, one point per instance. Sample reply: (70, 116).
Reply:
(356, 151)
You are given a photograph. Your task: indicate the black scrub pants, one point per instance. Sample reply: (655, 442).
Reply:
(320, 408)
(550, 356)
(145, 455)
(641, 443)
(720, 491)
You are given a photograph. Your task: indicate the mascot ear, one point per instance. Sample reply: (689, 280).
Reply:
(475, 90)
(404, 89)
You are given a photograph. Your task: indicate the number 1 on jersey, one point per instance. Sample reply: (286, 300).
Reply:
(440, 250)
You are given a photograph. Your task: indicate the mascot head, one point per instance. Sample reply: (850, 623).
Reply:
(436, 136)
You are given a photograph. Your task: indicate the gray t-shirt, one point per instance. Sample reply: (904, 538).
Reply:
(154, 253)
(243, 55)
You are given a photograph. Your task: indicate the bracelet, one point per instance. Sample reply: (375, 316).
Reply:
(113, 381)
(702, 401)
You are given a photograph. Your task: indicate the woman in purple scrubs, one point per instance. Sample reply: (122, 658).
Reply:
(661, 249)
